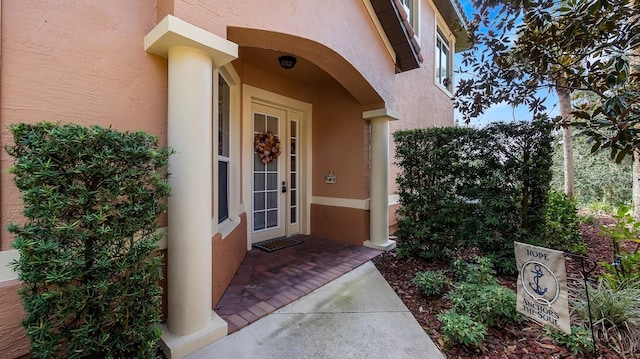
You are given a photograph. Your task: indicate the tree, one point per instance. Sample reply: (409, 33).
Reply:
(597, 178)
(564, 96)
(522, 48)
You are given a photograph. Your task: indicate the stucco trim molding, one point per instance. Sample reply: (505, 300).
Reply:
(172, 31)
(387, 113)
(341, 202)
(6, 257)
(363, 204)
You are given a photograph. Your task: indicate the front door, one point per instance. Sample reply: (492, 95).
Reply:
(275, 181)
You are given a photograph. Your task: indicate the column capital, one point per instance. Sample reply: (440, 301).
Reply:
(387, 113)
(172, 31)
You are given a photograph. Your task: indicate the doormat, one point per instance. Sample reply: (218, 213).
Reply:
(275, 244)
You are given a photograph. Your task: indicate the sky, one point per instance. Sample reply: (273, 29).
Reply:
(501, 112)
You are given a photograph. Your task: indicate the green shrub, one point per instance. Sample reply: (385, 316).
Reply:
(481, 272)
(626, 266)
(430, 282)
(462, 329)
(615, 309)
(504, 264)
(458, 267)
(468, 188)
(490, 304)
(578, 342)
(90, 277)
(562, 224)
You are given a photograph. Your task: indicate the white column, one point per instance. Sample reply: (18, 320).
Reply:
(192, 56)
(189, 134)
(379, 180)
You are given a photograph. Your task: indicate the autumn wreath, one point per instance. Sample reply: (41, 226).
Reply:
(267, 146)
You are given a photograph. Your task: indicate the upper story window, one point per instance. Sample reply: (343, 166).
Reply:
(411, 7)
(224, 104)
(443, 61)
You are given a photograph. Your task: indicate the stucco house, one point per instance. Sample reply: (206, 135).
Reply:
(331, 79)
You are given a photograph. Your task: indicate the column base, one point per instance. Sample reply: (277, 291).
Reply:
(386, 246)
(178, 346)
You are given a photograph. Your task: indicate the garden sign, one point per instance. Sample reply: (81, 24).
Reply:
(542, 286)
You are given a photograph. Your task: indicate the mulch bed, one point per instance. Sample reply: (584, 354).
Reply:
(522, 341)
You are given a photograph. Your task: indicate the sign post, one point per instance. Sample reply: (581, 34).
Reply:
(542, 286)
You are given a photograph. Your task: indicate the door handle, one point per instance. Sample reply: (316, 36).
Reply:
(284, 187)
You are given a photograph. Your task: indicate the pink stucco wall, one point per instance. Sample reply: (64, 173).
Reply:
(419, 101)
(83, 61)
(343, 26)
(13, 342)
(78, 61)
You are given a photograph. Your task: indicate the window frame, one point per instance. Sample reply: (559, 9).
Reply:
(442, 40)
(224, 137)
(224, 226)
(414, 15)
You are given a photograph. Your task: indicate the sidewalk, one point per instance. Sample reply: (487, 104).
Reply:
(355, 316)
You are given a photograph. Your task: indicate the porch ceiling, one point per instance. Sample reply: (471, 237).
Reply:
(305, 71)
(317, 62)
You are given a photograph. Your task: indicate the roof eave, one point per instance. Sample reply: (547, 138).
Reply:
(451, 12)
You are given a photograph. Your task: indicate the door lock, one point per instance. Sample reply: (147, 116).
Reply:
(284, 187)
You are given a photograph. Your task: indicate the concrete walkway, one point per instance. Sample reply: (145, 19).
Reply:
(355, 316)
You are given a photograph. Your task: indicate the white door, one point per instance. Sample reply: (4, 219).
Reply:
(275, 183)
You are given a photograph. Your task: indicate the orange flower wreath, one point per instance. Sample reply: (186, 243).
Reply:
(267, 146)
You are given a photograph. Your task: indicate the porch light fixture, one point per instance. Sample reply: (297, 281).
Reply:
(287, 62)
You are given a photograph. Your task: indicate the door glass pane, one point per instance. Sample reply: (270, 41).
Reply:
(257, 163)
(272, 199)
(272, 124)
(259, 122)
(258, 220)
(293, 168)
(258, 201)
(272, 218)
(273, 166)
(272, 181)
(258, 181)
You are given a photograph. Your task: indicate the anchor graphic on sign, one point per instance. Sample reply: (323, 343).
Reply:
(538, 274)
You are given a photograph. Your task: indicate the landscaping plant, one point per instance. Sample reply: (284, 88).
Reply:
(579, 341)
(626, 265)
(92, 197)
(615, 310)
(465, 188)
(462, 329)
(562, 225)
(477, 301)
(431, 282)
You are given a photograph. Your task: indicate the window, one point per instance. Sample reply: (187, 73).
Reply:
(224, 104)
(442, 61)
(411, 7)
